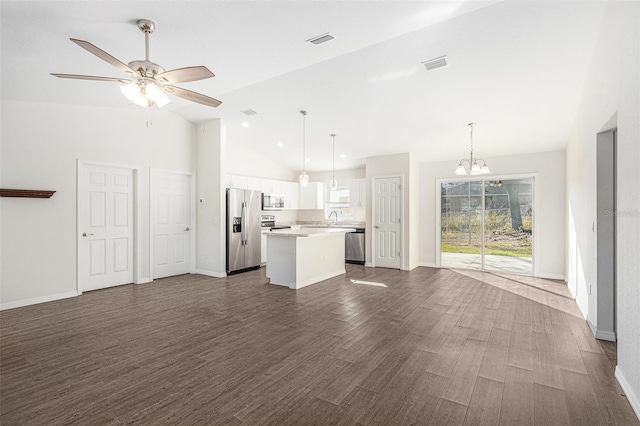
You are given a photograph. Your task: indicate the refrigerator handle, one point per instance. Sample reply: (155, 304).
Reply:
(243, 216)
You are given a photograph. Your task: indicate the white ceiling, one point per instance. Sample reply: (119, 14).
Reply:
(516, 69)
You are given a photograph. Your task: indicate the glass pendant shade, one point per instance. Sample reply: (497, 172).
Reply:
(304, 179)
(333, 184)
(475, 168)
(485, 169)
(460, 170)
(132, 92)
(155, 94)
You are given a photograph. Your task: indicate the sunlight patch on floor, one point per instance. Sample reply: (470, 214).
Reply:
(368, 283)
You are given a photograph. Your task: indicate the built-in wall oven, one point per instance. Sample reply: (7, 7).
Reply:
(272, 202)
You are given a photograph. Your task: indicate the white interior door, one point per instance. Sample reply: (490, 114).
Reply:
(171, 215)
(105, 223)
(387, 194)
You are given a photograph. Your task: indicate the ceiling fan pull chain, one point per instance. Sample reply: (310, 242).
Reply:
(149, 121)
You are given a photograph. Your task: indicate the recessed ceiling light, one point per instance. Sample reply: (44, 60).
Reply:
(343, 155)
(435, 63)
(249, 112)
(244, 124)
(322, 38)
(279, 144)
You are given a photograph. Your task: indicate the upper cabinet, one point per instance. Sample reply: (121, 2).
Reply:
(254, 184)
(272, 186)
(235, 181)
(243, 182)
(312, 196)
(291, 196)
(357, 193)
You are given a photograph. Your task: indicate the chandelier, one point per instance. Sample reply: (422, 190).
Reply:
(475, 168)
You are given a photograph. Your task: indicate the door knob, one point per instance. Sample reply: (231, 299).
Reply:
(377, 227)
(187, 229)
(84, 234)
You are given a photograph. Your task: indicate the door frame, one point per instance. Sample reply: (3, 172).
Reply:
(192, 216)
(438, 204)
(137, 237)
(373, 218)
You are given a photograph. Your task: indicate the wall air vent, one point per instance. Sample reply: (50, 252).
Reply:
(249, 112)
(435, 63)
(321, 38)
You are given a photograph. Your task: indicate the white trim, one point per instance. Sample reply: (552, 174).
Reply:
(601, 335)
(428, 265)
(369, 265)
(192, 216)
(37, 300)
(628, 391)
(137, 228)
(317, 279)
(551, 276)
(211, 273)
(144, 280)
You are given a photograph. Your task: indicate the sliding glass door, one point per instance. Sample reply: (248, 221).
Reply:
(487, 225)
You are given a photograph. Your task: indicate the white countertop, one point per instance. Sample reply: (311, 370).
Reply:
(308, 232)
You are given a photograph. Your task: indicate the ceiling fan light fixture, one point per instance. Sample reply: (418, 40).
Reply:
(156, 95)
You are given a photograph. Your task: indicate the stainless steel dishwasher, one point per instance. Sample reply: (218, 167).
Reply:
(354, 246)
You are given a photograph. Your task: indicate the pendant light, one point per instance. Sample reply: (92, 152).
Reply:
(304, 177)
(475, 168)
(334, 183)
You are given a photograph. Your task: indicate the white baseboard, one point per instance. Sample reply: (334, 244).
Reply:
(211, 273)
(368, 264)
(36, 300)
(427, 264)
(551, 276)
(628, 391)
(317, 279)
(144, 280)
(601, 334)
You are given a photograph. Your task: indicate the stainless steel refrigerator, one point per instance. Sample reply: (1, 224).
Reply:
(243, 230)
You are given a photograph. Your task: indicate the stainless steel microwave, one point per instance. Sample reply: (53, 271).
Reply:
(272, 202)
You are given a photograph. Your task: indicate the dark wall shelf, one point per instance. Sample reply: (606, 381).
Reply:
(26, 193)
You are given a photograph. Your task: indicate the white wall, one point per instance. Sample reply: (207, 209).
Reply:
(549, 215)
(243, 162)
(611, 90)
(405, 166)
(211, 213)
(40, 147)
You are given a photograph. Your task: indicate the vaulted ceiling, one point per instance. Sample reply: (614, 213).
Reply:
(516, 68)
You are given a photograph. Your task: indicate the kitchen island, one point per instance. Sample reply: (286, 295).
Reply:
(297, 258)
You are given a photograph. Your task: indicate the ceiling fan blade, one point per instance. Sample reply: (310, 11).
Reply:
(192, 96)
(187, 74)
(104, 56)
(91, 77)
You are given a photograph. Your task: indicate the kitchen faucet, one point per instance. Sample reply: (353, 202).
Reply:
(333, 212)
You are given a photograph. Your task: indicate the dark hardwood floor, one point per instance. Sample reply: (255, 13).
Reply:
(435, 347)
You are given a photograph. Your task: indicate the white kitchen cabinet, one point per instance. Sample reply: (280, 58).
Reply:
(291, 197)
(263, 248)
(272, 186)
(254, 184)
(357, 193)
(312, 196)
(235, 181)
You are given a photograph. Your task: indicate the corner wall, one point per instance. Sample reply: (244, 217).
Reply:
(40, 145)
(611, 89)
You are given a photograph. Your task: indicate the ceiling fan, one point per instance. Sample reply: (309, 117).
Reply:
(149, 81)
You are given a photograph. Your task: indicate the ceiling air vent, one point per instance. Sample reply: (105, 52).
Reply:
(249, 112)
(321, 38)
(432, 64)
